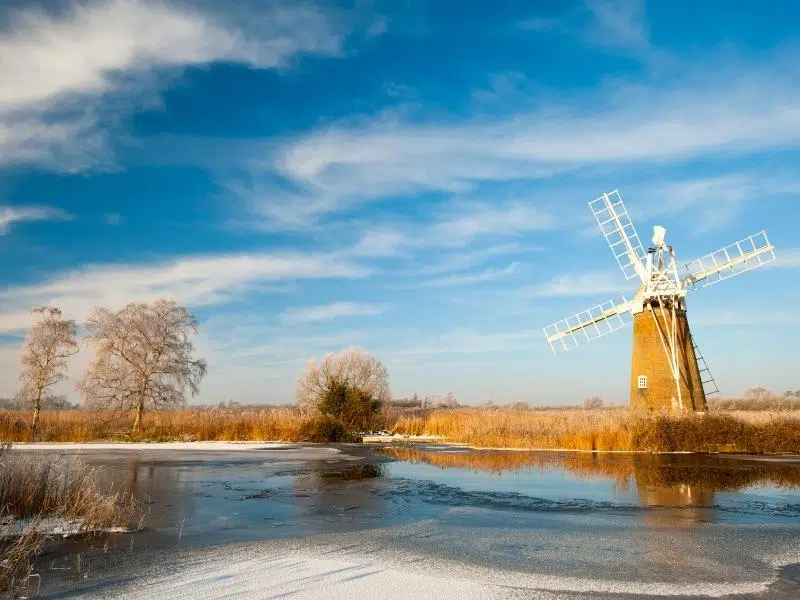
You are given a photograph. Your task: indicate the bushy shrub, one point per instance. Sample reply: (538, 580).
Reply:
(351, 388)
(322, 429)
(356, 410)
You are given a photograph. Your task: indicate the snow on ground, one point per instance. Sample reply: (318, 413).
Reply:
(299, 576)
(205, 446)
(178, 451)
(276, 570)
(55, 526)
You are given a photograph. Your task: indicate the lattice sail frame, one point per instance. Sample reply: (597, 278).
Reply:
(618, 229)
(737, 258)
(588, 325)
(612, 217)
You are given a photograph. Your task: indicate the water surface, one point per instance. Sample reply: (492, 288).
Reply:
(583, 525)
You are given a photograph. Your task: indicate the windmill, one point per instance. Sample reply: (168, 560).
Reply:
(667, 369)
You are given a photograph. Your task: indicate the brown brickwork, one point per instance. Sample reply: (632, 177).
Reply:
(650, 359)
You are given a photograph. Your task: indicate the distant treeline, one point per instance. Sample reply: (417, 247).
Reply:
(52, 403)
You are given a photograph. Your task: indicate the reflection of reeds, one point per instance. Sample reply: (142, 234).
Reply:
(608, 430)
(708, 472)
(354, 473)
(35, 488)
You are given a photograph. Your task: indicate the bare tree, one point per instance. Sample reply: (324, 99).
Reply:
(49, 343)
(593, 402)
(758, 393)
(350, 385)
(144, 358)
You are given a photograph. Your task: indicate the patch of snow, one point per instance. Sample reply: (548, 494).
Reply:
(57, 526)
(330, 573)
(205, 446)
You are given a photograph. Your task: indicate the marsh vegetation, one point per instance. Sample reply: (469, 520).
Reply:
(42, 495)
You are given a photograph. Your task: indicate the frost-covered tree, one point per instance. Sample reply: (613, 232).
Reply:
(144, 359)
(50, 341)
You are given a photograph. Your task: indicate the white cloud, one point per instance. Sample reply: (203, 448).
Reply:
(459, 261)
(66, 62)
(329, 312)
(381, 242)
(709, 202)
(349, 163)
(580, 284)
(453, 226)
(482, 276)
(9, 215)
(466, 221)
(194, 280)
(618, 24)
(466, 341)
(785, 258)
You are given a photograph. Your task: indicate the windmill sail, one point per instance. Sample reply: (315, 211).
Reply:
(588, 325)
(618, 229)
(744, 255)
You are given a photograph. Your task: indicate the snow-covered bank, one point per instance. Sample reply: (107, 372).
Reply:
(179, 451)
(55, 526)
(277, 572)
(204, 446)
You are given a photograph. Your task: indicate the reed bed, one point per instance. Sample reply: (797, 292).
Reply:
(611, 430)
(283, 424)
(39, 492)
(759, 431)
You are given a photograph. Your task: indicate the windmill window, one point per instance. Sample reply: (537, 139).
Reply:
(642, 382)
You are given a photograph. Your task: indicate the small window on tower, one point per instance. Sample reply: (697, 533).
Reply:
(642, 383)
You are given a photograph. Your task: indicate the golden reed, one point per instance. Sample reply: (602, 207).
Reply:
(599, 430)
(611, 430)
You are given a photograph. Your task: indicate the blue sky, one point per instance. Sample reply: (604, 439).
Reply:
(409, 177)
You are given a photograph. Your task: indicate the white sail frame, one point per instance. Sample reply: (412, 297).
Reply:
(734, 259)
(588, 325)
(617, 227)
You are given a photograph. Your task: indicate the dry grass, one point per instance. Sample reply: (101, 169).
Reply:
(177, 425)
(35, 488)
(610, 430)
(773, 404)
(757, 431)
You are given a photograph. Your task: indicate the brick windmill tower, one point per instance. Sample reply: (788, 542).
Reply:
(667, 369)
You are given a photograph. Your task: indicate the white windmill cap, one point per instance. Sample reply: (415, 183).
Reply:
(659, 233)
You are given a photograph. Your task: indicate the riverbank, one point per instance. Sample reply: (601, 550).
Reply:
(605, 430)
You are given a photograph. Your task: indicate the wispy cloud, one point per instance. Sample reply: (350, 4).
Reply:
(482, 276)
(618, 24)
(579, 284)
(339, 168)
(195, 280)
(329, 312)
(66, 62)
(466, 341)
(453, 226)
(9, 215)
(462, 260)
(785, 258)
